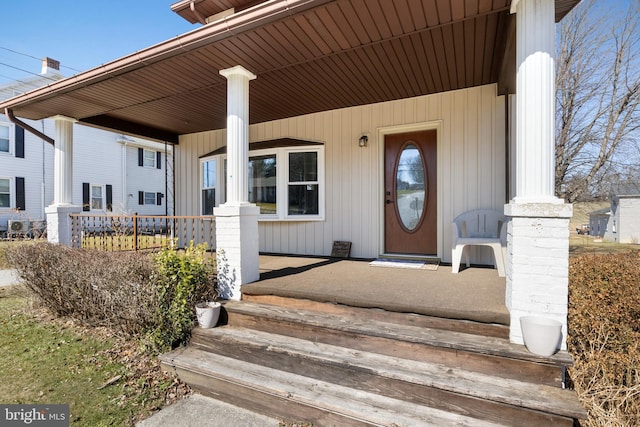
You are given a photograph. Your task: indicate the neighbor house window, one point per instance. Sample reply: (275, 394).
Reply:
(149, 198)
(149, 159)
(5, 193)
(96, 197)
(285, 182)
(4, 138)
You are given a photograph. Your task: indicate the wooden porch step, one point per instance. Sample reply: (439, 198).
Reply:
(453, 390)
(488, 355)
(298, 398)
(457, 325)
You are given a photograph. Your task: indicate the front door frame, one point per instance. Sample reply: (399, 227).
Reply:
(391, 130)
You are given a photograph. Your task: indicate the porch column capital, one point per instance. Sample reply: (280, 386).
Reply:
(535, 101)
(237, 134)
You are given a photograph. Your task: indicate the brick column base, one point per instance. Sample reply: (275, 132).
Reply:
(59, 223)
(236, 248)
(538, 266)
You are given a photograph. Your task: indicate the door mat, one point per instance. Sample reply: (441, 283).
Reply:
(399, 263)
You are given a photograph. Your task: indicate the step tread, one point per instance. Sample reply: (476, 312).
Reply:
(438, 338)
(545, 398)
(355, 404)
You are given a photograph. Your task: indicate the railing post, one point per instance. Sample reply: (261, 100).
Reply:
(135, 231)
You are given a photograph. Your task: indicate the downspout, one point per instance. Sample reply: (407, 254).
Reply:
(23, 125)
(198, 15)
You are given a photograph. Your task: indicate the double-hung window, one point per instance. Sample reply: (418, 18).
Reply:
(97, 202)
(5, 140)
(5, 193)
(286, 183)
(149, 159)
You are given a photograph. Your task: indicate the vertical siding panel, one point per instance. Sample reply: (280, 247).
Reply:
(470, 163)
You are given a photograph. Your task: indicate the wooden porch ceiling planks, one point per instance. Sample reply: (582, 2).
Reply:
(336, 54)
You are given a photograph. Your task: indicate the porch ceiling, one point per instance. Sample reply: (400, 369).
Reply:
(309, 56)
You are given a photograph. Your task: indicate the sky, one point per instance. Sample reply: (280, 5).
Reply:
(81, 34)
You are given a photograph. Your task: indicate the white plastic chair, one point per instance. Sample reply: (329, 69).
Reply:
(480, 227)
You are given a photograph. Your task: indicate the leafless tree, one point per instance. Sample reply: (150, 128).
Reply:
(597, 96)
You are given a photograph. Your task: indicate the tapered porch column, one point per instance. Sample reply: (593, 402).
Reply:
(237, 220)
(538, 233)
(58, 220)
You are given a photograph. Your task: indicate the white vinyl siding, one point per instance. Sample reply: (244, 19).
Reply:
(471, 168)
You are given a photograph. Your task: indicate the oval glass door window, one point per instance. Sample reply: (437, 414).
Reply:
(410, 187)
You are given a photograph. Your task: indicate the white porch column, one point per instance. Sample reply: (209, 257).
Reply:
(538, 233)
(237, 220)
(58, 220)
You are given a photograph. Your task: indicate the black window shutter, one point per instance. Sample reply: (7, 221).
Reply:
(158, 160)
(86, 206)
(19, 144)
(159, 197)
(141, 197)
(109, 197)
(140, 157)
(20, 199)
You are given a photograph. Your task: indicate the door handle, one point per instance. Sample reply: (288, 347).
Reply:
(389, 202)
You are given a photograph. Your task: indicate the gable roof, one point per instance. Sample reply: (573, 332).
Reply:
(309, 56)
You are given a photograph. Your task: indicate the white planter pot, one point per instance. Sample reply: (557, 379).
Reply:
(208, 313)
(541, 335)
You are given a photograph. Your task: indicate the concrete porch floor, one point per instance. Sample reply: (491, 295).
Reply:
(475, 294)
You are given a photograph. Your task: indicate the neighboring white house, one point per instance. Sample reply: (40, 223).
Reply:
(621, 222)
(598, 222)
(112, 172)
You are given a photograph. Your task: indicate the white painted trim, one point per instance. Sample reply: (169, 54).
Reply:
(392, 130)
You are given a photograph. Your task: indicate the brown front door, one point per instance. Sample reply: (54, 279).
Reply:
(410, 193)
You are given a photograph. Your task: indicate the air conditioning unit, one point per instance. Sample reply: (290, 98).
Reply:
(18, 226)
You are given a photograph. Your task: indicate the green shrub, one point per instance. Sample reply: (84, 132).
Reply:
(182, 279)
(604, 335)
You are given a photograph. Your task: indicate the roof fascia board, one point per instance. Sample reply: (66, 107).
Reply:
(248, 19)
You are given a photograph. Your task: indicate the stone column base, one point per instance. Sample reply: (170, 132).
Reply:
(59, 223)
(538, 266)
(236, 247)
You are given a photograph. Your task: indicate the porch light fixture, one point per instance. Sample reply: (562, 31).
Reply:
(363, 141)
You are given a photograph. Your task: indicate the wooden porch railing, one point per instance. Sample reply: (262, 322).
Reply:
(140, 232)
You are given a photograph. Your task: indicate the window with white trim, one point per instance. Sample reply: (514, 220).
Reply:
(150, 198)
(287, 183)
(5, 138)
(97, 197)
(5, 193)
(149, 159)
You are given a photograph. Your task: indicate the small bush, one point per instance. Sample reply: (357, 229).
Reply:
(604, 335)
(139, 294)
(182, 279)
